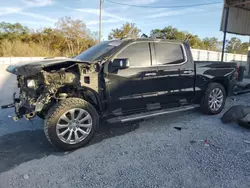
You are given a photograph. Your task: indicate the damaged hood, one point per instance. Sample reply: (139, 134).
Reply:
(31, 68)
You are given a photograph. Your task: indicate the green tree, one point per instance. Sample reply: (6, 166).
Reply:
(194, 41)
(168, 33)
(77, 37)
(233, 45)
(174, 34)
(128, 30)
(70, 37)
(244, 48)
(212, 44)
(13, 31)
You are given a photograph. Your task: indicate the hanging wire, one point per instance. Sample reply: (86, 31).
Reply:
(177, 6)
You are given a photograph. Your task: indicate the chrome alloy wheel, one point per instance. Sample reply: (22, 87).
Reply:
(215, 100)
(74, 126)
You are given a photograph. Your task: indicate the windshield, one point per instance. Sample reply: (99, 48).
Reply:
(98, 50)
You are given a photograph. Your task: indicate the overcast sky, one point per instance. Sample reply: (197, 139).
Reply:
(203, 20)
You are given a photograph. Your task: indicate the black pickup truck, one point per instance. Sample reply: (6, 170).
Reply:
(118, 80)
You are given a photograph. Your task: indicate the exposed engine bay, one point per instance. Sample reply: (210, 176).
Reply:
(43, 86)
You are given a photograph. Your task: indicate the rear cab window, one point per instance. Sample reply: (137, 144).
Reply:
(168, 53)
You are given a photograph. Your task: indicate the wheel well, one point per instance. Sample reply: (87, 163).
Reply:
(84, 93)
(223, 82)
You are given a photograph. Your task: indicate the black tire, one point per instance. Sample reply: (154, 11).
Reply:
(44, 112)
(205, 107)
(41, 115)
(57, 111)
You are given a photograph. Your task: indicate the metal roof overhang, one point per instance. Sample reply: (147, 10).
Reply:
(238, 17)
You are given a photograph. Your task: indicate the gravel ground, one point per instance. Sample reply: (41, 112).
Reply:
(150, 153)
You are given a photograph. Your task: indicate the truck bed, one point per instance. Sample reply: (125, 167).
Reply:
(214, 64)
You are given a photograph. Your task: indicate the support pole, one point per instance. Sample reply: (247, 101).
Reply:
(248, 57)
(225, 34)
(100, 22)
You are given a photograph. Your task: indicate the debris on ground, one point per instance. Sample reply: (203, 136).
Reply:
(165, 145)
(178, 128)
(235, 113)
(245, 122)
(246, 141)
(26, 176)
(239, 114)
(192, 141)
(242, 88)
(206, 143)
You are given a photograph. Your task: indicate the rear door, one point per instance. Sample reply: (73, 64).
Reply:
(129, 89)
(176, 74)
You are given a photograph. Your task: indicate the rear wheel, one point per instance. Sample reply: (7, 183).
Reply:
(214, 99)
(71, 123)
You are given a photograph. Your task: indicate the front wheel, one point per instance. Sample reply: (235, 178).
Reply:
(71, 124)
(214, 99)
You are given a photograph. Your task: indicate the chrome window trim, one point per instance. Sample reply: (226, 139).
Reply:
(184, 53)
(157, 65)
(121, 50)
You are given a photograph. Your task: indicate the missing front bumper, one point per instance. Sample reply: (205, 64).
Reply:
(22, 109)
(12, 105)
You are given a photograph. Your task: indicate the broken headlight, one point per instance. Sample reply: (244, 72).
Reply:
(31, 84)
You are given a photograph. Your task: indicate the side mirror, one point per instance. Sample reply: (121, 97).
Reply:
(120, 63)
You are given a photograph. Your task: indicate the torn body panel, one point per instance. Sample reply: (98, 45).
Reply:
(41, 85)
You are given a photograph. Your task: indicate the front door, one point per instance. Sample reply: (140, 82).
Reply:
(128, 88)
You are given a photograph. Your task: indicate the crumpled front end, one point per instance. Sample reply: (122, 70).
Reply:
(33, 95)
(47, 85)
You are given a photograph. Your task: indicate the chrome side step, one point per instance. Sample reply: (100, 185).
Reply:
(134, 117)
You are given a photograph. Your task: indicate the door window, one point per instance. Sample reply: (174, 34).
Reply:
(138, 54)
(169, 53)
